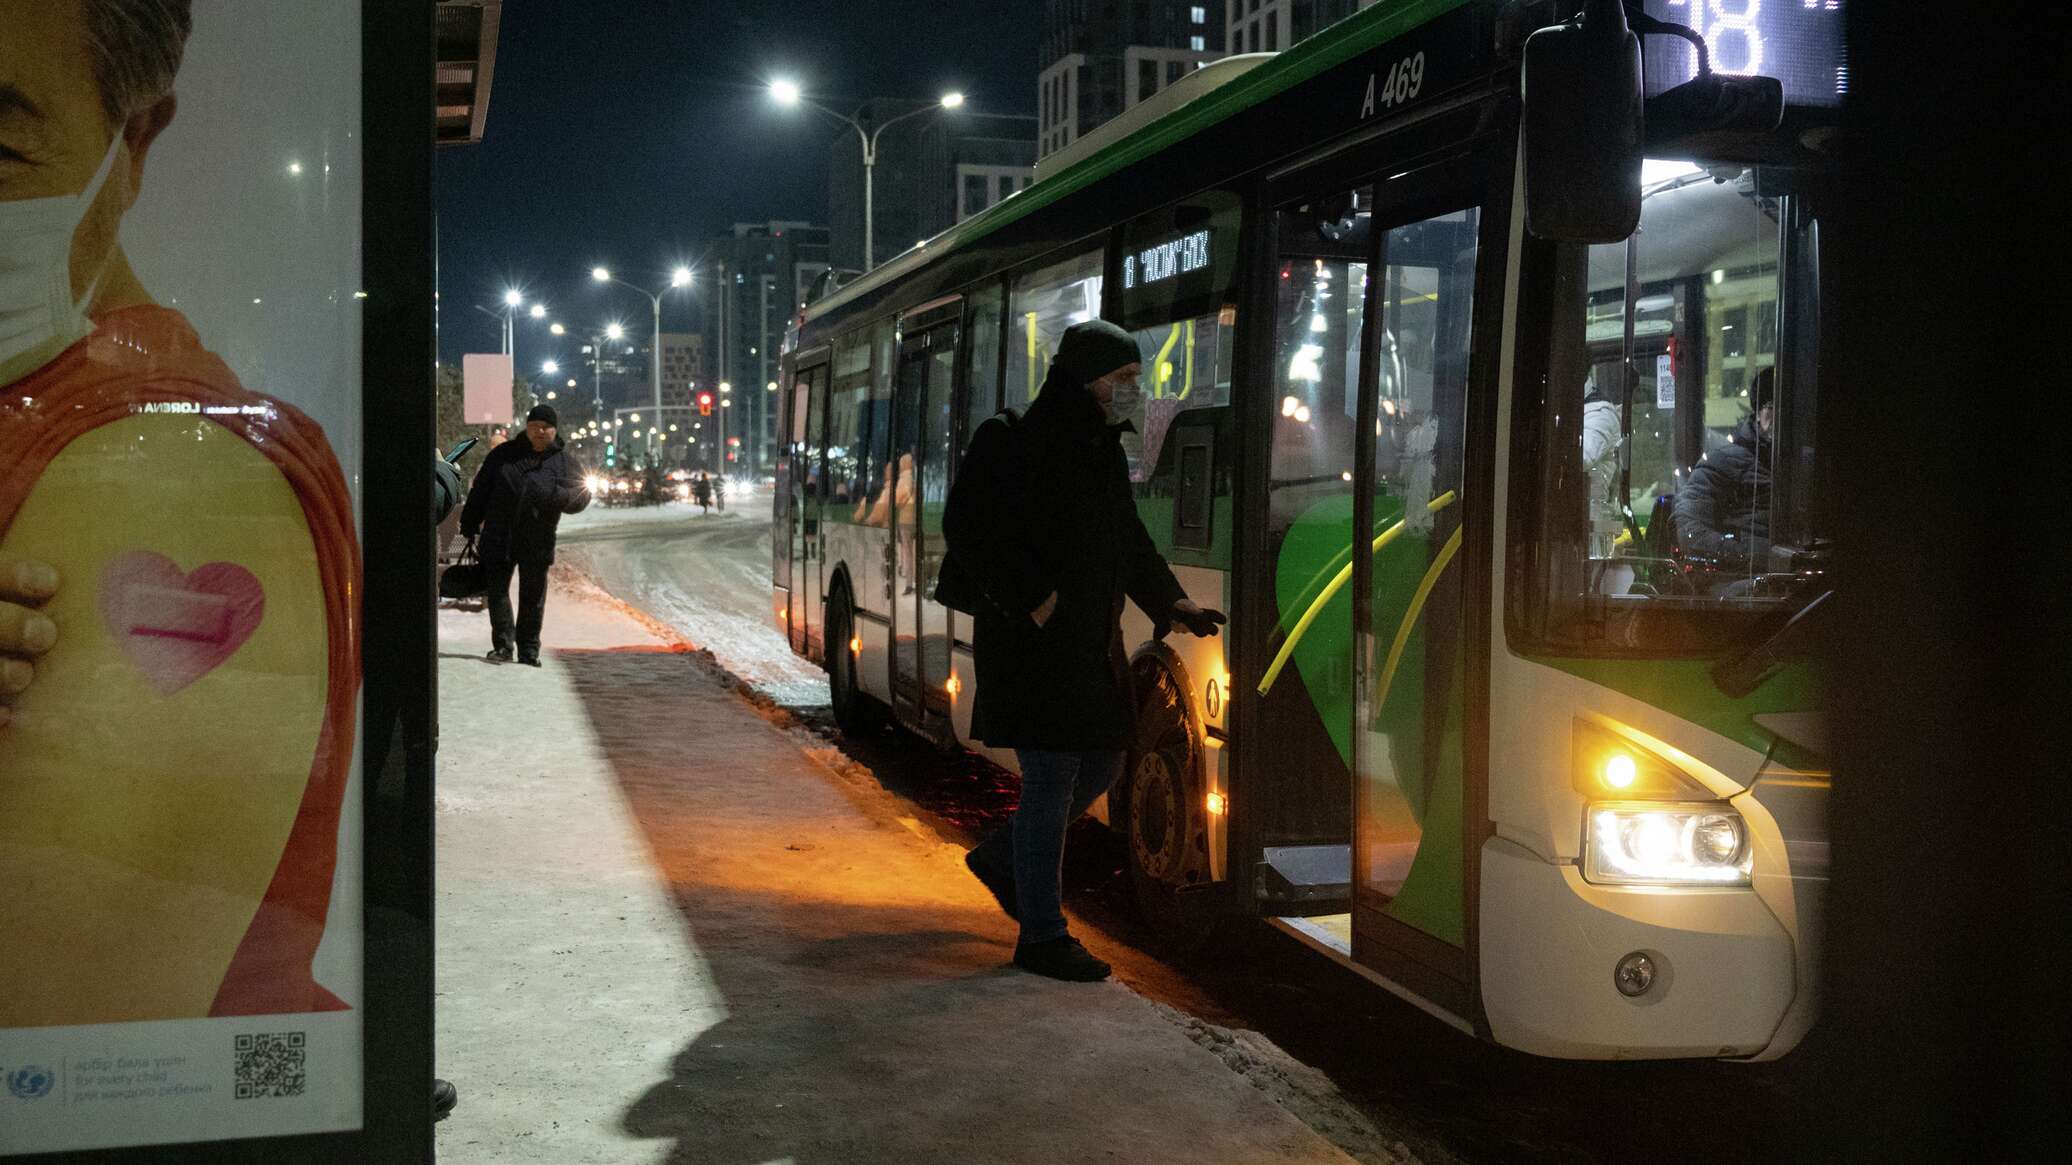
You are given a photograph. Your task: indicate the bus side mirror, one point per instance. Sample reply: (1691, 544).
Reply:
(1583, 128)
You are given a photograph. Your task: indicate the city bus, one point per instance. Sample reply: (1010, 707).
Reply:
(1498, 722)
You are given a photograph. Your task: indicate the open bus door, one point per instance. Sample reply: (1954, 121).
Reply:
(1360, 686)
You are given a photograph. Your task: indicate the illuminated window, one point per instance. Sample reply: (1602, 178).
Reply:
(1198, 44)
(1198, 15)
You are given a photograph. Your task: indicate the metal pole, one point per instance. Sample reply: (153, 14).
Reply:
(726, 294)
(763, 368)
(658, 354)
(870, 163)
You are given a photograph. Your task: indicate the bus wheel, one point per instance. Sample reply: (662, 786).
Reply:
(1158, 808)
(856, 713)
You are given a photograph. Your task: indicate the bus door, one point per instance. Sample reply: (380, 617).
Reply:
(1360, 698)
(1409, 651)
(798, 548)
(921, 406)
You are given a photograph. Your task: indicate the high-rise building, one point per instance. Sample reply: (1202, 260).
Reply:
(1097, 60)
(969, 162)
(683, 361)
(1268, 26)
(766, 269)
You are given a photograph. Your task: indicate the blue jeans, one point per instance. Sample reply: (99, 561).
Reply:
(1056, 788)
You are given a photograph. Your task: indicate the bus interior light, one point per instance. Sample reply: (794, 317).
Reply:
(1217, 804)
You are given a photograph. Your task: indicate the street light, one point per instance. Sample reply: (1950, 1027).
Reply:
(557, 329)
(550, 367)
(681, 279)
(788, 94)
(539, 311)
(513, 298)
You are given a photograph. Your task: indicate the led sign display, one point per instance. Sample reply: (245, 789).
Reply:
(1799, 42)
(1167, 260)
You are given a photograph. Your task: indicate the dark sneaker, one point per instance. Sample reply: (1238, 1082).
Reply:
(1060, 958)
(530, 659)
(498, 655)
(444, 1097)
(1001, 887)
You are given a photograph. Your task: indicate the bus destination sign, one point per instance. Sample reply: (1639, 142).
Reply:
(1166, 260)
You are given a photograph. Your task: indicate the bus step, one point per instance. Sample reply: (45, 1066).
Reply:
(1305, 873)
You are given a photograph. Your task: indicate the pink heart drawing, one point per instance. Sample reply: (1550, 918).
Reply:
(177, 628)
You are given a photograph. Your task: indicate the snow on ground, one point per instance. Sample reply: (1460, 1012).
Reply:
(705, 575)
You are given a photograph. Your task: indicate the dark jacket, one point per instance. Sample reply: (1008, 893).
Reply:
(1723, 512)
(1043, 506)
(518, 498)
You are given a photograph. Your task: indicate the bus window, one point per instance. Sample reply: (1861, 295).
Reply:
(1186, 367)
(874, 493)
(848, 428)
(1178, 281)
(1677, 498)
(982, 358)
(1047, 301)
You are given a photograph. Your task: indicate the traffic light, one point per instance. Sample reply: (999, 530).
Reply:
(611, 455)
(704, 404)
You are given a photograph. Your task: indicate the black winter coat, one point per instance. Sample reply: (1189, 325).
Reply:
(1723, 512)
(518, 498)
(1045, 506)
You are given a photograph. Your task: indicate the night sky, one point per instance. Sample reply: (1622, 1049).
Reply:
(630, 133)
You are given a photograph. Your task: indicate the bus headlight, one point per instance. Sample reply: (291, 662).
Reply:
(1666, 845)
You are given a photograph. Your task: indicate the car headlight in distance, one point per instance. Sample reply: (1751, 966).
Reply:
(1666, 845)
(595, 484)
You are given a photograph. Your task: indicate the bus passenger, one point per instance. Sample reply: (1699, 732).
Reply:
(1601, 463)
(1056, 561)
(1723, 514)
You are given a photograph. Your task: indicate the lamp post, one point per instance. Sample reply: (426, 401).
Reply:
(681, 277)
(788, 94)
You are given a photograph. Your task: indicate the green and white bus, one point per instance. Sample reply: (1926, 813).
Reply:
(1484, 727)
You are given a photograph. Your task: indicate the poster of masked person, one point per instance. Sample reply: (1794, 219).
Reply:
(179, 571)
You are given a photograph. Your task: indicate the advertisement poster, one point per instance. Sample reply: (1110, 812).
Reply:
(180, 409)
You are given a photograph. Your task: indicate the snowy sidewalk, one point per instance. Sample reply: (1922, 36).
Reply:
(668, 933)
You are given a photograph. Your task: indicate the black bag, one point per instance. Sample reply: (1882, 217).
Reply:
(464, 579)
(956, 586)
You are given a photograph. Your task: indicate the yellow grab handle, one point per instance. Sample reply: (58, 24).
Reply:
(1160, 370)
(1337, 583)
(1417, 602)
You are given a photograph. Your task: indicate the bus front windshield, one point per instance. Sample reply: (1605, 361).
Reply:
(1677, 498)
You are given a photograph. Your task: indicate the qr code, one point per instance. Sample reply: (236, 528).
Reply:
(270, 1065)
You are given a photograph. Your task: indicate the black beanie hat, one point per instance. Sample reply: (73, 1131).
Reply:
(1764, 391)
(543, 413)
(1093, 349)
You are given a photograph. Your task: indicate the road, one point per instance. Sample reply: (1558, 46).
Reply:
(708, 577)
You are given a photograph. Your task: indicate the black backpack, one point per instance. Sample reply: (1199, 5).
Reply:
(956, 585)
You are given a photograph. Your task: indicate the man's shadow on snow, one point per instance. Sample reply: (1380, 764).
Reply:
(838, 1004)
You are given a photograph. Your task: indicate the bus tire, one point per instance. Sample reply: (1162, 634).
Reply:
(856, 712)
(1157, 807)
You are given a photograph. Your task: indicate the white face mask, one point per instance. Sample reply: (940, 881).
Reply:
(38, 317)
(1122, 404)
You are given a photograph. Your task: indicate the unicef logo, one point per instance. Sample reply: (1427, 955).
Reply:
(31, 1083)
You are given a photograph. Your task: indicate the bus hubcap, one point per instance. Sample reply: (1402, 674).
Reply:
(1155, 817)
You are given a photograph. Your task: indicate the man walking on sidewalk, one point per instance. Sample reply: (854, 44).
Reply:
(515, 505)
(1055, 559)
